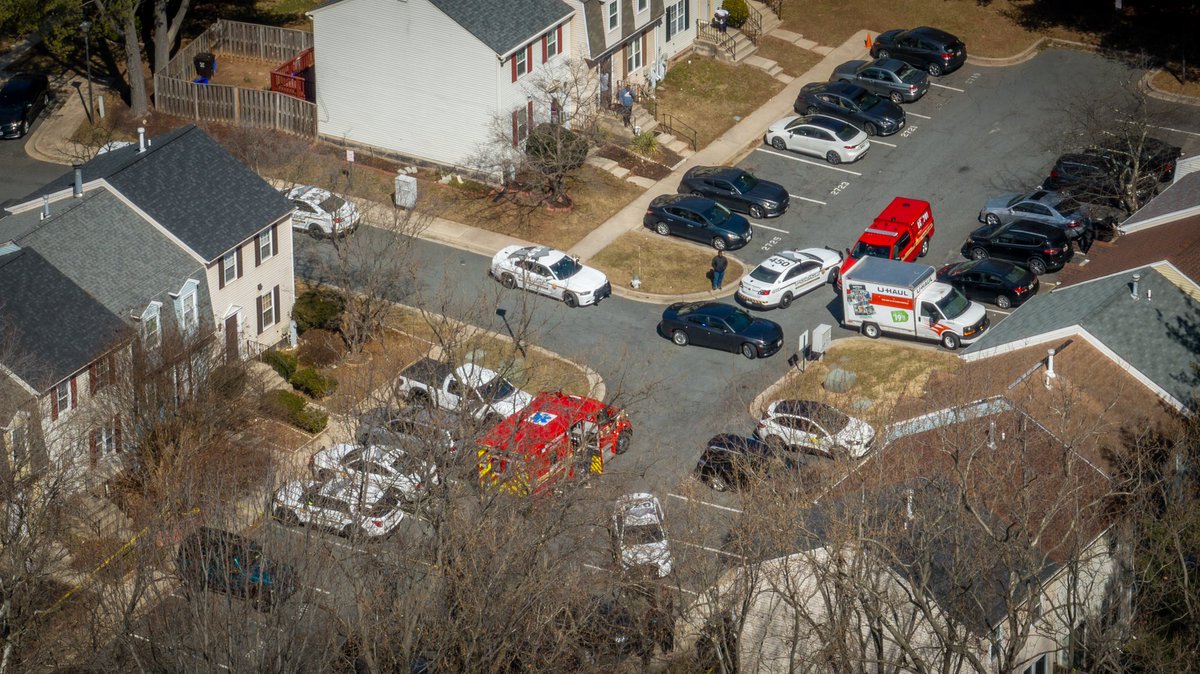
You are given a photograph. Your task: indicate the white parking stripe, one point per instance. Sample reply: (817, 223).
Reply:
(805, 161)
(712, 550)
(942, 86)
(782, 231)
(712, 505)
(1164, 128)
(913, 114)
(313, 587)
(997, 311)
(880, 142)
(796, 196)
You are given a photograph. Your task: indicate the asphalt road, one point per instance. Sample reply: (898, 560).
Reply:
(21, 173)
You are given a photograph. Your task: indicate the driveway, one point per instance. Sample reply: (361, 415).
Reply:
(21, 173)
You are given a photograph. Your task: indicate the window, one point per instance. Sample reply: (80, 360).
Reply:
(107, 440)
(189, 320)
(1038, 667)
(677, 18)
(613, 15)
(268, 309)
(642, 5)
(63, 397)
(266, 245)
(520, 122)
(16, 442)
(151, 326)
(522, 62)
(552, 44)
(634, 60)
(230, 270)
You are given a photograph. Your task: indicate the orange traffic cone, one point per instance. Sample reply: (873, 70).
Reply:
(868, 42)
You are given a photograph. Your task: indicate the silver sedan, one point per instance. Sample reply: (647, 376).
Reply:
(1052, 208)
(819, 135)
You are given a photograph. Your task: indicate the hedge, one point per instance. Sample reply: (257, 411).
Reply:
(282, 362)
(292, 408)
(318, 309)
(309, 381)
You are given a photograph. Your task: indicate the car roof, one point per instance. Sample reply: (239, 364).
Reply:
(717, 309)
(1034, 227)
(309, 193)
(22, 83)
(729, 172)
(887, 64)
(784, 259)
(639, 508)
(934, 33)
(843, 88)
(544, 254)
(798, 408)
(688, 201)
(730, 442)
(825, 122)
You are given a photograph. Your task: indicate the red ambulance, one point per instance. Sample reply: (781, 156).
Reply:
(901, 232)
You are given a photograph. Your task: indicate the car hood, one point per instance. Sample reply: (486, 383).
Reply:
(856, 436)
(736, 224)
(516, 402)
(885, 109)
(848, 68)
(999, 203)
(763, 329)
(768, 191)
(656, 554)
(10, 114)
(587, 279)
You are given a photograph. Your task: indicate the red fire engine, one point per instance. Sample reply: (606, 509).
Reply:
(555, 437)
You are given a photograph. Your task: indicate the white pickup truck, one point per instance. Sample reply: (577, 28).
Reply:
(470, 389)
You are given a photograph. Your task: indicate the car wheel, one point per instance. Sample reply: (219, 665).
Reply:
(24, 128)
(935, 70)
(870, 331)
(992, 219)
(811, 110)
(508, 281)
(623, 441)
(662, 228)
(697, 193)
(871, 129)
(419, 397)
(778, 143)
(287, 517)
(315, 231)
(978, 253)
(717, 483)
(749, 351)
(833, 157)
(324, 474)
(570, 300)
(757, 212)
(883, 53)
(833, 275)
(719, 243)
(896, 97)
(1003, 302)
(924, 248)
(679, 337)
(785, 301)
(775, 442)
(950, 340)
(1037, 266)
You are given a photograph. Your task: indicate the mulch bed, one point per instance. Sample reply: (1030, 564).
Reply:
(637, 164)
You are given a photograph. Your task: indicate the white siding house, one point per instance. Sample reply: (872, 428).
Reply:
(431, 79)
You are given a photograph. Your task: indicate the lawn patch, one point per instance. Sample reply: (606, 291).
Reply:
(1168, 81)
(707, 94)
(794, 60)
(664, 265)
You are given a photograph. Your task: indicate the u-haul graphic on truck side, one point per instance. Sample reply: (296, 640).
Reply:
(903, 298)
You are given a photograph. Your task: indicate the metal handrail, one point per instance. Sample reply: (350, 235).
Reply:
(675, 127)
(775, 5)
(706, 32)
(753, 25)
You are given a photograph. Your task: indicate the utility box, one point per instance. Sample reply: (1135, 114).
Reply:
(205, 64)
(406, 191)
(822, 335)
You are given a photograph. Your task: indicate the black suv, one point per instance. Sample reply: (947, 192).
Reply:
(739, 190)
(934, 51)
(222, 561)
(877, 116)
(1036, 245)
(1105, 174)
(22, 99)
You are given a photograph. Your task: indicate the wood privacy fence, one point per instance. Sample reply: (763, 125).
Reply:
(175, 93)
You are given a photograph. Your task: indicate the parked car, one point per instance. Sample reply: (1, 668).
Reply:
(348, 507)
(384, 426)
(833, 139)
(699, 219)
(640, 534)
(737, 189)
(550, 272)
(1052, 208)
(999, 282)
(788, 274)
(891, 78)
(23, 97)
(734, 461)
(934, 51)
(721, 326)
(388, 467)
(469, 389)
(877, 116)
(1126, 173)
(1034, 245)
(815, 427)
(215, 560)
(321, 213)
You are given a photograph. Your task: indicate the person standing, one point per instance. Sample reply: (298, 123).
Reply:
(721, 18)
(626, 105)
(719, 263)
(1087, 237)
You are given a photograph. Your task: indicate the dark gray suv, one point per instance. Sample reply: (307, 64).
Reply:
(877, 116)
(891, 78)
(1034, 245)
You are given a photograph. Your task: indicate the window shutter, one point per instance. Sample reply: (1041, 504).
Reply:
(258, 250)
(543, 49)
(625, 61)
(687, 15)
(74, 395)
(645, 46)
(92, 383)
(514, 115)
(117, 432)
(671, 12)
(221, 272)
(561, 50)
(54, 404)
(513, 60)
(529, 114)
(240, 270)
(258, 302)
(275, 304)
(92, 438)
(275, 240)
(529, 57)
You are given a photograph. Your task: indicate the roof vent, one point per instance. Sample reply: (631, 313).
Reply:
(141, 139)
(1050, 375)
(45, 206)
(1133, 287)
(78, 191)
(991, 443)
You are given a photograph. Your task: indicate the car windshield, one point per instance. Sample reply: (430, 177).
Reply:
(642, 534)
(908, 74)
(745, 182)
(1014, 274)
(497, 389)
(865, 100)
(1067, 206)
(954, 304)
(332, 204)
(717, 215)
(1014, 201)
(846, 132)
(566, 267)
(739, 320)
(765, 275)
(862, 248)
(832, 420)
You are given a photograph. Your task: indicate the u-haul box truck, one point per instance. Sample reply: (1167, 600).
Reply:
(903, 298)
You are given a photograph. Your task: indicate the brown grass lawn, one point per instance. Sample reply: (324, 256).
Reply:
(1169, 82)
(988, 29)
(707, 94)
(665, 265)
(360, 374)
(794, 60)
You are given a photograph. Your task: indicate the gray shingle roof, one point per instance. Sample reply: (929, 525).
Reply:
(1181, 195)
(504, 26)
(190, 185)
(55, 326)
(1159, 337)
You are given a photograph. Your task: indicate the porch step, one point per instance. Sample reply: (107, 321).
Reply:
(771, 67)
(602, 163)
(680, 147)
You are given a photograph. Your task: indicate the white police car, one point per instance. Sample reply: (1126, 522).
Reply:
(321, 213)
(788, 274)
(639, 534)
(550, 272)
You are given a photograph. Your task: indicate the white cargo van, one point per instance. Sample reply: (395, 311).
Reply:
(881, 295)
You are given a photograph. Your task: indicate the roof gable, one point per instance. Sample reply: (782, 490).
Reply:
(504, 26)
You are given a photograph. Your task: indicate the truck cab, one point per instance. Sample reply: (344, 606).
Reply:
(901, 232)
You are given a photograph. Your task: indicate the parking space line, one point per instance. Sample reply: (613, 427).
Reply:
(880, 142)
(314, 587)
(805, 161)
(712, 505)
(1164, 128)
(943, 86)
(797, 196)
(712, 550)
(782, 231)
(997, 311)
(913, 114)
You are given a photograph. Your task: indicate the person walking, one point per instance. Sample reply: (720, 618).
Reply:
(719, 263)
(721, 18)
(1087, 237)
(626, 105)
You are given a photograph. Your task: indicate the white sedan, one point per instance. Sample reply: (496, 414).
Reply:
(388, 467)
(819, 135)
(550, 272)
(321, 213)
(346, 506)
(788, 274)
(639, 534)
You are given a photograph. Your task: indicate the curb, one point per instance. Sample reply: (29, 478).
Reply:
(1027, 53)
(1146, 84)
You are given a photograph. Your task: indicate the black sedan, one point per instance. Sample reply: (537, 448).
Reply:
(22, 99)
(739, 190)
(929, 49)
(877, 116)
(721, 326)
(734, 461)
(892, 78)
(988, 280)
(698, 219)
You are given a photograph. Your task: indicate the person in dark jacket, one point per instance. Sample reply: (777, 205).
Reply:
(719, 263)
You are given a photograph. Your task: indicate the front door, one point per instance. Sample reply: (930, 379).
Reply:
(232, 354)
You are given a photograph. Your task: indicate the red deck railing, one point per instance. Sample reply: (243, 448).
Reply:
(285, 78)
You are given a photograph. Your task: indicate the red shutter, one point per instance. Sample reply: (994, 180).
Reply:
(625, 62)
(514, 67)
(240, 271)
(515, 140)
(275, 240)
(112, 369)
(258, 303)
(275, 304)
(92, 383)
(561, 50)
(221, 272)
(529, 57)
(529, 113)
(645, 46)
(54, 404)
(543, 49)
(92, 442)
(74, 395)
(258, 250)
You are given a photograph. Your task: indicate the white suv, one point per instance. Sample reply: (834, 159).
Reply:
(815, 427)
(349, 507)
(321, 213)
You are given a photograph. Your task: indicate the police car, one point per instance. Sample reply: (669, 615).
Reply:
(639, 536)
(321, 213)
(788, 274)
(550, 272)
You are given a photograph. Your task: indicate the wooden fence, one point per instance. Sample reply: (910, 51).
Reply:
(175, 93)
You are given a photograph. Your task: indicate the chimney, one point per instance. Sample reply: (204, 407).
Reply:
(1134, 288)
(45, 206)
(141, 139)
(1049, 367)
(78, 192)
(991, 443)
